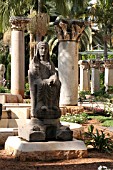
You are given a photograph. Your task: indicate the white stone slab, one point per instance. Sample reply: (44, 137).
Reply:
(5, 133)
(71, 125)
(5, 130)
(24, 146)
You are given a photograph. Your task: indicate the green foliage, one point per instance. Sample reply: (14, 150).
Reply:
(54, 59)
(83, 93)
(110, 89)
(110, 56)
(12, 8)
(102, 81)
(4, 90)
(107, 122)
(104, 118)
(101, 95)
(88, 57)
(98, 140)
(8, 72)
(27, 91)
(74, 118)
(71, 8)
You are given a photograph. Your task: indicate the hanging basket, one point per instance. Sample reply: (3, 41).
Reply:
(38, 23)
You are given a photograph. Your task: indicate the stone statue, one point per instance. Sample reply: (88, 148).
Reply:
(2, 71)
(44, 84)
(45, 92)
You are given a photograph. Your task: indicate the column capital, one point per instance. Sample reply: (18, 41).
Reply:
(18, 22)
(69, 29)
(84, 64)
(95, 63)
(108, 63)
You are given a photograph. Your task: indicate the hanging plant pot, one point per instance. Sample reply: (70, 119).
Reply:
(38, 23)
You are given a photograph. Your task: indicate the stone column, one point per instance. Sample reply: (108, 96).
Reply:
(84, 75)
(108, 81)
(17, 55)
(68, 33)
(95, 75)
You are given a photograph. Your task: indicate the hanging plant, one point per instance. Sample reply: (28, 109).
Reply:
(39, 23)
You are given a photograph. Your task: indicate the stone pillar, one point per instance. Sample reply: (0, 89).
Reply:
(84, 75)
(95, 75)
(108, 81)
(68, 33)
(17, 55)
(68, 72)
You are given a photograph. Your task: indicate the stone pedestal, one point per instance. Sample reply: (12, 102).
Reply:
(45, 151)
(95, 75)
(17, 55)
(84, 75)
(68, 33)
(108, 73)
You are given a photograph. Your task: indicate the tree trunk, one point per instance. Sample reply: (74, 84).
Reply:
(105, 44)
(105, 49)
(31, 46)
(40, 6)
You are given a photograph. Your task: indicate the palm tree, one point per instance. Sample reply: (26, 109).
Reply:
(71, 9)
(10, 8)
(102, 13)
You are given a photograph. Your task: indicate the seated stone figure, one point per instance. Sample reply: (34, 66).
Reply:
(44, 84)
(45, 92)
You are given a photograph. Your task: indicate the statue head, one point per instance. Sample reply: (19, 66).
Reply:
(43, 51)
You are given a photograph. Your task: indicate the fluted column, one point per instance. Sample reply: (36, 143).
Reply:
(84, 75)
(17, 55)
(95, 75)
(68, 33)
(108, 80)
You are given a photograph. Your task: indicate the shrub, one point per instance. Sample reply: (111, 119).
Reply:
(27, 91)
(2, 89)
(98, 140)
(83, 93)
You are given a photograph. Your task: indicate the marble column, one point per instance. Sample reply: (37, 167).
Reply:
(68, 33)
(84, 75)
(108, 80)
(17, 55)
(95, 75)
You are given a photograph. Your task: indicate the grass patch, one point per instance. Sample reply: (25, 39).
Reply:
(83, 117)
(107, 123)
(104, 120)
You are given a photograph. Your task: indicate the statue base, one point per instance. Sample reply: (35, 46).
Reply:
(45, 151)
(44, 130)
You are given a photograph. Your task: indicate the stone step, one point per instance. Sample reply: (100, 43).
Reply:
(16, 113)
(71, 109)
(9, 123)
(10, 98)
